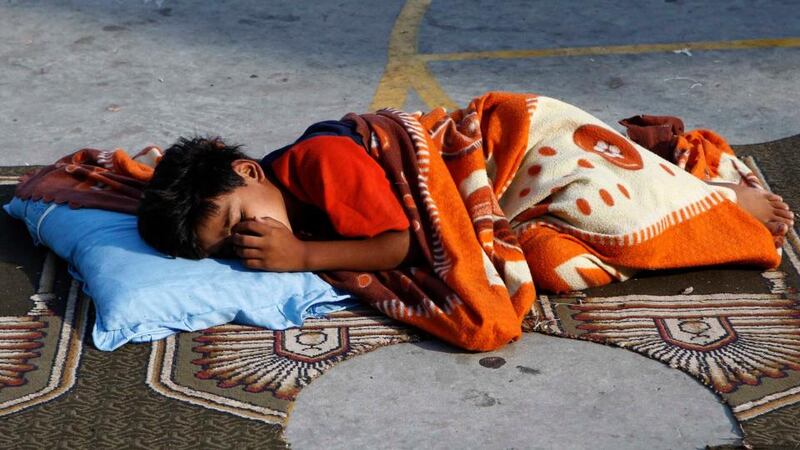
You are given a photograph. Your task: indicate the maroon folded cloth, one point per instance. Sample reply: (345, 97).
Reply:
(91, 178)
(659, 134)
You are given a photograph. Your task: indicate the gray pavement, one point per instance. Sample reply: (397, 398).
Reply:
(551, 393)
(113, 73)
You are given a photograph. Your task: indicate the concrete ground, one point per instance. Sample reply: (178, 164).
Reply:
(115, 73)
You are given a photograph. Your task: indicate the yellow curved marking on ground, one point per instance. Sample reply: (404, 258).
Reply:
(406, 67)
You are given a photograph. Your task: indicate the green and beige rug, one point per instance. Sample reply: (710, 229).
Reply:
(735, 330)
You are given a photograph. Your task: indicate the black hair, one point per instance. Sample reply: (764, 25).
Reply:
(191, 174)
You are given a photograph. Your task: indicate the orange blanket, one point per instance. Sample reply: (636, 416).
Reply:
(475, 288)
(518, 187)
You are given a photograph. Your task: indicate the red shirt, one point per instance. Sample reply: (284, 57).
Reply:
(336, 175)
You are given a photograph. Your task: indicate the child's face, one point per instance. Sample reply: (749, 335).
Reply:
(257, 198)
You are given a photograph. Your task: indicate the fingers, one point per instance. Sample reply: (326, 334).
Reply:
(250, 227)
(252, 263)
(246, 240)
(248, 253)
(257, 226)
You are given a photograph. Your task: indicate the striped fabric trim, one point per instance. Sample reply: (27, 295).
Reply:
(396, 309)
(442, 263)
(531, 103)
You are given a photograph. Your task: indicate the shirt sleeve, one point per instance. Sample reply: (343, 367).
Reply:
(337, 175)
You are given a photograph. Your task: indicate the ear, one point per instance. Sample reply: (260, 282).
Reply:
(247, 168)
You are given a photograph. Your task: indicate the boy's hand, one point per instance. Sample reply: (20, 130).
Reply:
(266, 244)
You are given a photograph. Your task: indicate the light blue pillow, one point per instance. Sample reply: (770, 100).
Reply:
(141, 295)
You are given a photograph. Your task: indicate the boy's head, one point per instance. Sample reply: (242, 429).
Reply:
(200, 189)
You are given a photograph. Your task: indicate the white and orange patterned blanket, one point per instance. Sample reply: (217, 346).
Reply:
(590, 206)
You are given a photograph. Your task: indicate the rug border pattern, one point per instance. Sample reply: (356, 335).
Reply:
(63, 371)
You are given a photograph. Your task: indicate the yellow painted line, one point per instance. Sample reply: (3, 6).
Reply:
(394, 85)
(404, 70)
(403, 40)
(743, 44)
(428, 87)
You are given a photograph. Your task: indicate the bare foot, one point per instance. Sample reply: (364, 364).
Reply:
(765, 206)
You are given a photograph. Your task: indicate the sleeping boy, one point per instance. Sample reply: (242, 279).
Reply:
(319, 204)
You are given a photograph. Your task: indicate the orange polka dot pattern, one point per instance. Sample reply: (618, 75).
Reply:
(547, 151)
(583, 206)
(583, 186)
(607, 198)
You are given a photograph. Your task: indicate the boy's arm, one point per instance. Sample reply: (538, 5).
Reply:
(267, 244)
(382, 252)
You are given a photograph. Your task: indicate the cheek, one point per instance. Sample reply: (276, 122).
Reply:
(252, 211)
(257, 206)
(209, 238)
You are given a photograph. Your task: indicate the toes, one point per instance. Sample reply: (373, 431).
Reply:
(779, 205)
(774, 197)
(777, 228)
(784, 214)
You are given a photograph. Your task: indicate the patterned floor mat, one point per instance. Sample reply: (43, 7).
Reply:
(736, 330)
